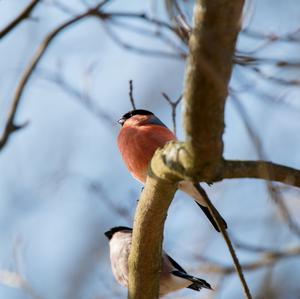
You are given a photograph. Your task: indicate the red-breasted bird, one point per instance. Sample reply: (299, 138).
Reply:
(141, 134)
(173, 277)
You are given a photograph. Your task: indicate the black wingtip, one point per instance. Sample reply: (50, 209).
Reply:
(207, 213)
(175, 264)
(198, 286)
(197, 283)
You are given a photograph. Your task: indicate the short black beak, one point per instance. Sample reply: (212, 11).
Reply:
(121, 121)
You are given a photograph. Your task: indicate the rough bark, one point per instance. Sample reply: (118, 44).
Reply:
(146, 249)
(211, 45)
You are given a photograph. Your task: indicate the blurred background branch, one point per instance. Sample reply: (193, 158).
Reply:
(25, 14)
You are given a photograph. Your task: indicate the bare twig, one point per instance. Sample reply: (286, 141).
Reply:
(253, 248)
(140, 50)
(273, 191)
(281, 81)
(268, 259)
(98, 189)
(179, 19)
(293, 36)
(83, 98)
(156, 32)
(247, 60)
(145, 18)
(138, 16)
(173, 107)
(63, 7)
(274, 98)
(131, 95)
(225, 235)
(284, 211)
(10, 126)
(21, 17)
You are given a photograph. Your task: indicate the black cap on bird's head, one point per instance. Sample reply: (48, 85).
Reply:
(109, 234)
(131, 113)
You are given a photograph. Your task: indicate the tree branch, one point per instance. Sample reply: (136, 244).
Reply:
(22, 16)
(212, 45)
(207, 75)
(10, 126)
(147, 237)
(268, 259)
(233, 169)
(146, 248)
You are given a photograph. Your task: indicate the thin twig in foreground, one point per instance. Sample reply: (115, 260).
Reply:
(222, 229)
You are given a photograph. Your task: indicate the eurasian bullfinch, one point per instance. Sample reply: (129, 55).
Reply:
(173, 276)
(141, 134)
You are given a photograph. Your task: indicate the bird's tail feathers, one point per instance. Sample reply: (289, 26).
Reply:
(199, 195)
(197, 283)
(207, 212)
(210, 217)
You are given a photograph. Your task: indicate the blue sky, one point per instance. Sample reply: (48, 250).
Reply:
(52, 214)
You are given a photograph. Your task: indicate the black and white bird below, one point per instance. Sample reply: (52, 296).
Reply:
(173, 276)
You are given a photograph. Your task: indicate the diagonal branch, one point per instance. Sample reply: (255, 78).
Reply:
(10, 126)
(21, 17)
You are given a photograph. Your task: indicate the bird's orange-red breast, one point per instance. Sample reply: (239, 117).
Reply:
(140, 136)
